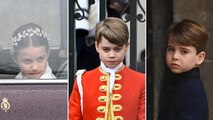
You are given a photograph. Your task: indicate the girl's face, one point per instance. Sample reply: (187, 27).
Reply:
(32, 61)
(181, 58)
(110, 54)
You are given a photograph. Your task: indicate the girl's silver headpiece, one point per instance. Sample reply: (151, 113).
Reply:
(26, 33)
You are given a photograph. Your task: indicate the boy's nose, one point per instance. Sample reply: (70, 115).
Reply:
(111, 54)
(175, 55)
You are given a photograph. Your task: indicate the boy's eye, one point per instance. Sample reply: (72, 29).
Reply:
(105, 49)
(117, 49)
(184, 52)
(169, 49)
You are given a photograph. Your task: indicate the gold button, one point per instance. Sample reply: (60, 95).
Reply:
(104, 78)
(117, 107)
(101, 109)
(116, 97)
(102, 98)
(99, 118)
(118, 118)
(118, 77)
(117, 87)
(102, 88)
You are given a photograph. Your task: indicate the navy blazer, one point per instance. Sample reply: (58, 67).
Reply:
(187, 99)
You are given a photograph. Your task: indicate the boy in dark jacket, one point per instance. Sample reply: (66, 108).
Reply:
(187, 99)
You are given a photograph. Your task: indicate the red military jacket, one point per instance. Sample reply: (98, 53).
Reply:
(125, 102)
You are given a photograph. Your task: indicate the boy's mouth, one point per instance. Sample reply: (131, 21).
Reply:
(174, 65)
(111, 62)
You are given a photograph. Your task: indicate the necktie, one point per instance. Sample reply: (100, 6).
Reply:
(112, 73)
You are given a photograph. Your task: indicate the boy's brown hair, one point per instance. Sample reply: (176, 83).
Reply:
(189, 33)
(114, 30)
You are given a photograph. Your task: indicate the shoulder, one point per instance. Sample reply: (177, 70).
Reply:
(195, 84)
(133, 79)
(192, 88)
(91, 74)
(133, 72)
(132, 76)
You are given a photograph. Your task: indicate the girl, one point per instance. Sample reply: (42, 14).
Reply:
(30, 50)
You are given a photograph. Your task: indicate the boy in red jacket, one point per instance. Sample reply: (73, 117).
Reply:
(112, 91)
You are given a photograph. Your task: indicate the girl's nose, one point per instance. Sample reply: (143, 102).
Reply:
(35, 67)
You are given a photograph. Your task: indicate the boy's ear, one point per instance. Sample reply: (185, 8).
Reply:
(96, 46)
(127, 46)
(200, 57)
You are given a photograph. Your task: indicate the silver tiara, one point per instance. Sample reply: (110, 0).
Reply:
(26, 33)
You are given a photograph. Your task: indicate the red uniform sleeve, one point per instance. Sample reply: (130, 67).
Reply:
(74, 104)
(141, 114)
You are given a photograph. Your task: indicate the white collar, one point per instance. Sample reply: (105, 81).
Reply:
(47, 74)
(111, 72)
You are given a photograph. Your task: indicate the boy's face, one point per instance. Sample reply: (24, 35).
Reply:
(32, 61)
(110, 54)
(181, 58)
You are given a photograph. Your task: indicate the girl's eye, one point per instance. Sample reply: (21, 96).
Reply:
(27, 61)
(41, 59)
